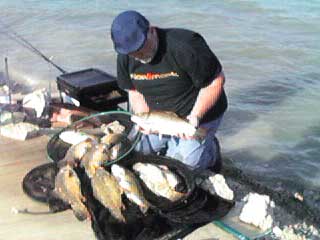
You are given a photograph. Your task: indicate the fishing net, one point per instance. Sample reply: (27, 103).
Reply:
(165, 219)
(57, 148)
(195, 207)
(39, 184)
(138, 225)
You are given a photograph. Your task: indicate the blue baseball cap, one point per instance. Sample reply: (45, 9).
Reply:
(129, 31)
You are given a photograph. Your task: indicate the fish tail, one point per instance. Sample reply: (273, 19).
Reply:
(144, 208)
(174, 196)
(140, 201)
(118, 215)
(55, 193)
(80, 211)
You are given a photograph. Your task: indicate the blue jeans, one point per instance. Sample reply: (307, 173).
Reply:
(197, 154)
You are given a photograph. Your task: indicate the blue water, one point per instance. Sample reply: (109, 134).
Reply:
(270, 51)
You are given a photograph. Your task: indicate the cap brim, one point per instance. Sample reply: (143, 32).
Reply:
(133, 48)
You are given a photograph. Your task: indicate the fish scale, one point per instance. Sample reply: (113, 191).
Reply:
(108, 192)
(67, 187)
(116, 143)
(156, 179)
(130, 186)
(94, 158)
(76, 152)
(167, 123)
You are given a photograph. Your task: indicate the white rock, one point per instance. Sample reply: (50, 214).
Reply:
(4, 94)
(11, 117)
(14, 210)
(5, 116)
(216, 185)
(257, 211)
(36, 100)
(277, 232)
(298, 196)
(19, 131)
(288, 234)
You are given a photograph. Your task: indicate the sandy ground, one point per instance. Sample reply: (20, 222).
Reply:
(17, 158)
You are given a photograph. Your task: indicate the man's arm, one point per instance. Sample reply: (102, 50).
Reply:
(206, 99)
(137, 102)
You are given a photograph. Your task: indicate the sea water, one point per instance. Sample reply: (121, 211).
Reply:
(270, 52)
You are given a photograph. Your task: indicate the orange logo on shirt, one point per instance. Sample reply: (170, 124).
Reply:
(152, 76)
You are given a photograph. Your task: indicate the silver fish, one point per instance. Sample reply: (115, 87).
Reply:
(67, 187)
(113, 127)
(108, 192)
(76, 152)
(172, 178)
(130, 186)
(111, 139)
(167, 123)
(118, 144)
(82, 148)
(158, 180)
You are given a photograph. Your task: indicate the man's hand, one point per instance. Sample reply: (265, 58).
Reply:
(193, 120)
(137, 102)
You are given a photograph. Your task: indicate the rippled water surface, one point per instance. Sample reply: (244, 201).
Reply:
(269, 50)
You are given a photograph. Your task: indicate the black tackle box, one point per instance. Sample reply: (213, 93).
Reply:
(93, 88)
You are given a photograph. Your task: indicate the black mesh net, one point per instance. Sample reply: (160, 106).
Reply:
(39, 184)
(92, 125)
(164, 220)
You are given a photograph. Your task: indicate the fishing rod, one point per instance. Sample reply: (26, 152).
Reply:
(23, 42)
(8, 79)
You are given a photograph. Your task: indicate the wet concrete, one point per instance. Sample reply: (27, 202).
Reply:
(17, 158)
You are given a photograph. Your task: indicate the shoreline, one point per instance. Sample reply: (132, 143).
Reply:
(291, 213)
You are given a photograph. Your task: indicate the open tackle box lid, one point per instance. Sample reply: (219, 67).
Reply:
(86, 81)
(93, 88)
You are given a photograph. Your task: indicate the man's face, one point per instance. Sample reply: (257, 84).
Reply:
(149, 49)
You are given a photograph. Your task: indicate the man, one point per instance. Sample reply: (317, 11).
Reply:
(171, 70)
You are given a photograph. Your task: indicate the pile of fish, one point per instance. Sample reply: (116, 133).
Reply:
(109, 186)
